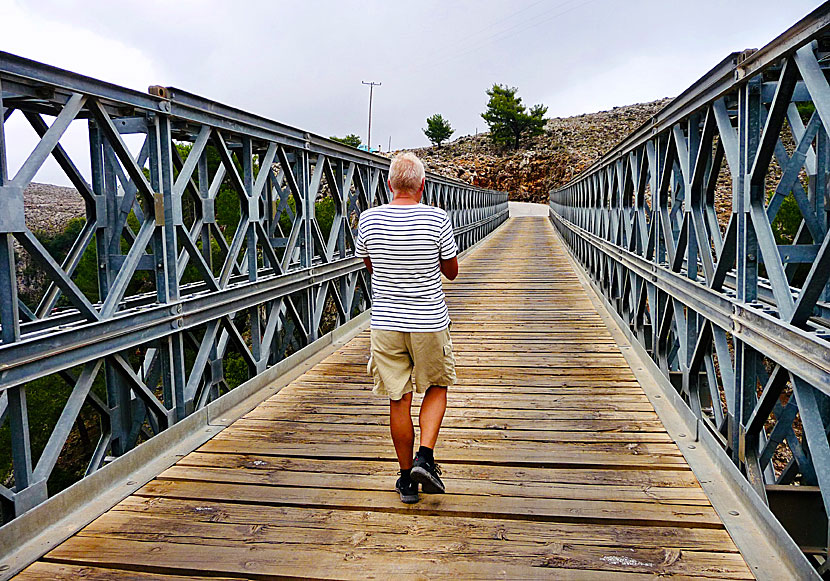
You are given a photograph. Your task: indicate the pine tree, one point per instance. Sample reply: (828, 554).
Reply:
(438, 129)
(508, 119)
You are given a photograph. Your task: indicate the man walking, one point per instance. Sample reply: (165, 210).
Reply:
(406, 246)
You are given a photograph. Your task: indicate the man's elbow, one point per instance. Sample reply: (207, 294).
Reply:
(449, 268)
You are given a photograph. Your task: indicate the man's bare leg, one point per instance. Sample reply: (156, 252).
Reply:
(425, 471)
(403, 432)
(432, 414)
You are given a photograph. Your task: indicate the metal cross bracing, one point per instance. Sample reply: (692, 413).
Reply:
(208, 242)
(680, 226)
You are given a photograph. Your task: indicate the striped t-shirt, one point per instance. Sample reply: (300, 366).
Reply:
(405, 244)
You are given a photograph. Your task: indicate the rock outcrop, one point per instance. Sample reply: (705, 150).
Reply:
(569, 145)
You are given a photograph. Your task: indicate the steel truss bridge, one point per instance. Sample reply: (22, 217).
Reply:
(220, 246)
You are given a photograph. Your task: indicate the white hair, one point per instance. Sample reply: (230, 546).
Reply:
(406, 172)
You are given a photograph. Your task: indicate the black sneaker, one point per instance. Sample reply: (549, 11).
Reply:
(427, 475)
(408, 490)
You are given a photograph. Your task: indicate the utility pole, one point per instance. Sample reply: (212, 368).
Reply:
(389, 147)
(372, 86)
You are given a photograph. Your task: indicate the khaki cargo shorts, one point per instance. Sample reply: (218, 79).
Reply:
(404, 362)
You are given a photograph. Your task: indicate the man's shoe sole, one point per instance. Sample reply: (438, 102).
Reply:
(408, 498)
(427, 481)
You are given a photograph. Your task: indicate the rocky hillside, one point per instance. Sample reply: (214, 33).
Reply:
(48, 208)
(568, 145)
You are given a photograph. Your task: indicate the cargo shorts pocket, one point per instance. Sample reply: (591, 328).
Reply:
(373, 372)
(449, 363)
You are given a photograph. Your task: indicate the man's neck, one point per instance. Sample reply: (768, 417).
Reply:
(405, 200)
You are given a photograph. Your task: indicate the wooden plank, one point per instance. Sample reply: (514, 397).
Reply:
(342, 480)
(585, 365)
(481, 401)
(452, 433)
(595, 389)
(72, 572)
(505, 380)
(677, 476)
(550, 455)
(287, 518)
(318, 563)
(624, 444)
(670, 561)
(458, 504)
(309, 409)
(573, 424)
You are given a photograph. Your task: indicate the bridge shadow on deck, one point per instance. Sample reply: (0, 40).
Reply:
(556, 464)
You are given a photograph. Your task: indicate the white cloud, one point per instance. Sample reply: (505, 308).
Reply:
(302, 63)
(76, 49)
(39, 37)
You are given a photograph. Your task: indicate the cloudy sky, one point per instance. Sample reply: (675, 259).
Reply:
(302, 62)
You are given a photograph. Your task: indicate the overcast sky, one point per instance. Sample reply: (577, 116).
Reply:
(302, 62)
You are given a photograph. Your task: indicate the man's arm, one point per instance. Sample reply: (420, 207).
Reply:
(449, 267)
(368, 262)
(447, 247)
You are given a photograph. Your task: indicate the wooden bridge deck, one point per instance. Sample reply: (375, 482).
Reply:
(555, 462)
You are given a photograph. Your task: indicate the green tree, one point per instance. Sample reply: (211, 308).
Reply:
(508, 119)
(438, 129)
(351, 140)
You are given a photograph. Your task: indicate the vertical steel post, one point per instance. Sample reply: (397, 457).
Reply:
(340, 252)
(749, 127)
(691, 377)
(172, 352)
(17, 410)
(252, 214)
(9, 317)
(214, 366)
(105, 191)
(207, 212)
(819, 200)
(303, 176)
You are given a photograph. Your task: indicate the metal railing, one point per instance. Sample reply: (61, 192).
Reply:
(706, 230)
(217, 238)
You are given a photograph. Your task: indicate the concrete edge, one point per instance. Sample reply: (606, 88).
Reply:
(524, 209)
(92, 496)
(767, 548)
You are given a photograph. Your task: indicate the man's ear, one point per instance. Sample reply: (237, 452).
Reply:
(389, 183)
(423, 185)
